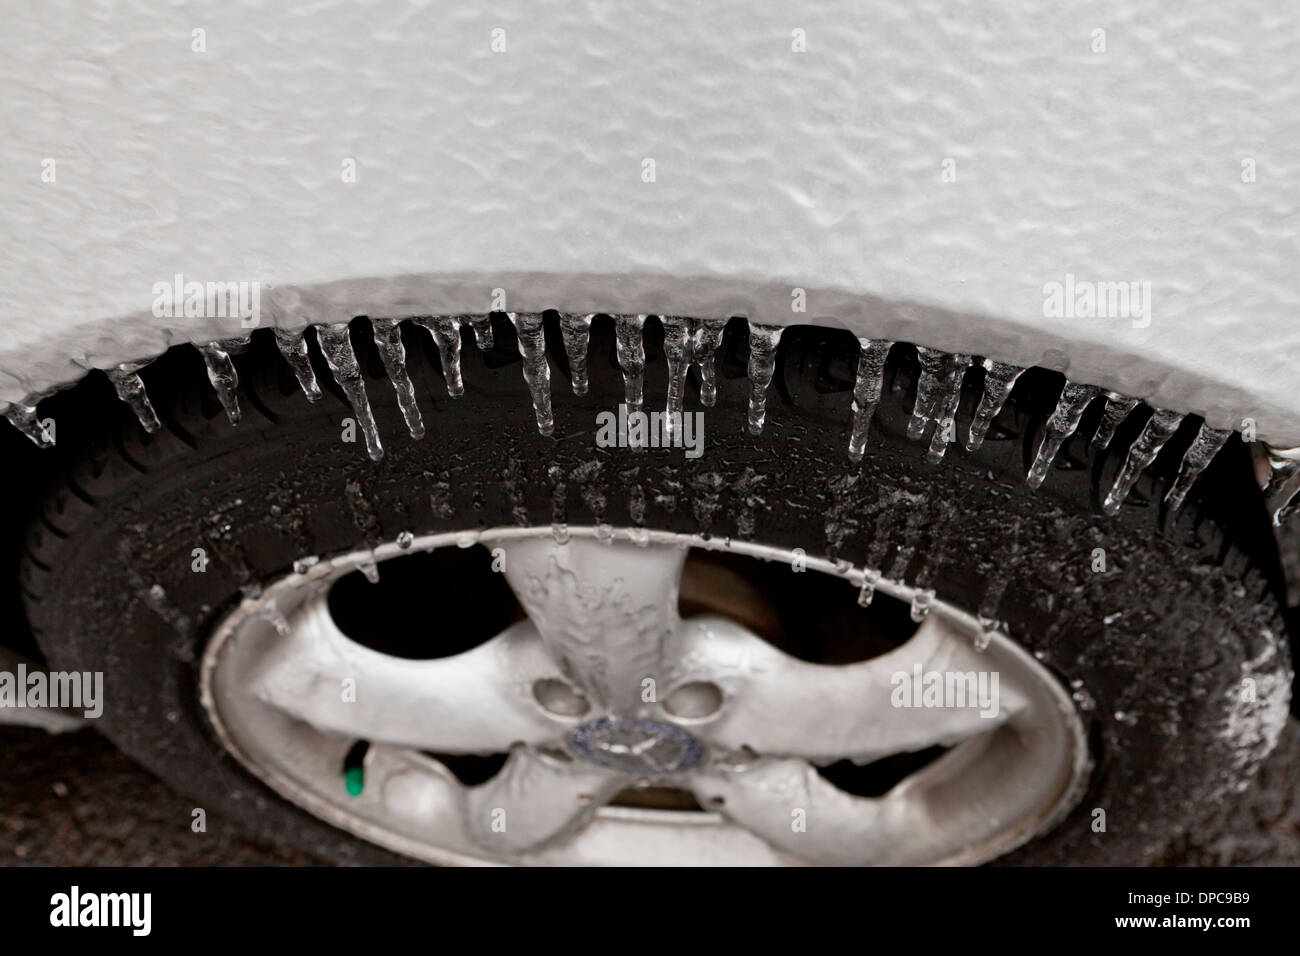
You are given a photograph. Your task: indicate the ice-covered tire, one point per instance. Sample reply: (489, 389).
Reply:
(1165, 627)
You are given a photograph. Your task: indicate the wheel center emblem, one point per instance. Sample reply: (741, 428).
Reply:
(637, 746)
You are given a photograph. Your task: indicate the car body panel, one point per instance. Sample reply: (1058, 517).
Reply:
(913, 170)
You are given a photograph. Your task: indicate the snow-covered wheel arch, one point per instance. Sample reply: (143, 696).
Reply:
(947, 175)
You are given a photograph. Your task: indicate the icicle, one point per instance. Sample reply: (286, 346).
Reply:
(763, 341)
(922, 601)
(388, 339)
(336, 344)
(706, 336)
(22, 415)
(222, 375)
(631, 357)
(576, 331)
(937, 393)
(1160, 427)
(945, 421)
(1204, 448)
(1118, 408)
(537, 371)
(445, 330)
(1065, 419)
(872, 356)
(371, 571)
(1283, 488)
(482, 326)
(999, 380)
(293, 346)
(677, 347)
(130, 389)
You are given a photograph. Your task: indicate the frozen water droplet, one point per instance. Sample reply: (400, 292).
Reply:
(922, 601)
(1159, 428)
(388, 340)
(763, 340)
(639, 536)
(1065, 419)
(988, 627)
(677, 348)
(1126, 718)
(630, 349)
(130, 389)
(445, 330)
(305, 564)
(371, 571)
(872, 356)
(537, 371)
(405, 540)
(1198, 457)
(224, 378)
(275, 617)
(870, 578)
(706, 336)
(604, 533)
(293, 346)
(336, 344)
(560, 532)
(1117, 409)
(1083, 699)
(999, 379)
(576, 331)
(466, 539)
(251, 590)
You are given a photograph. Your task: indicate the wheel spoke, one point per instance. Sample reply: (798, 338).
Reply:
(534, 799)
(781, 706)
(787, 803)
(476, 702)
(604, 610)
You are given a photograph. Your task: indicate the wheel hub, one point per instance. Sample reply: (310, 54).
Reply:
(604, 684)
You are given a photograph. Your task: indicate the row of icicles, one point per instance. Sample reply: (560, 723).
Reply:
(687, 342)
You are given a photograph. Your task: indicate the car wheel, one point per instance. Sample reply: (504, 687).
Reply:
(446, 619)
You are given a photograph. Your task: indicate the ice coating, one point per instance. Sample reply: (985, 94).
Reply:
(130, 389)
(537, 371)
(630, 348)
(445, 330)
(1118, 408)
(336, 344)
(293, 347)
(677, 348)
(388, 340)
(763, 340)
(1159, 428)
(1202, 451)
(999, 379)
(872, 355)
(706, 336)
(576, 332)
(1063, 423)
(222, 375)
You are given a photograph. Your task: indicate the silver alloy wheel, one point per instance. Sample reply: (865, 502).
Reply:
(604, 687)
